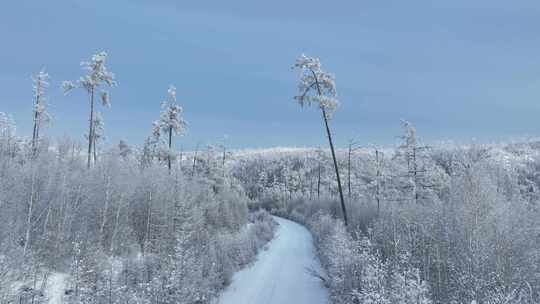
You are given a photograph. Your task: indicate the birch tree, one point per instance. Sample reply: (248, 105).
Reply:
(97, 76)
(318, 87)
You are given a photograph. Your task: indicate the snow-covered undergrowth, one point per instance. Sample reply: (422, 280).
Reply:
(128, 230)
(446, 224)
(355, 271)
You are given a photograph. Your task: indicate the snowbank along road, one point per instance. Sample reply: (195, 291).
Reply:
(280, 275)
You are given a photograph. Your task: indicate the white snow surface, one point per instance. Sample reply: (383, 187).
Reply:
(280, 274)
(56, 286)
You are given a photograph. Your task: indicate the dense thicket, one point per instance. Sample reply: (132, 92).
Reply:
(459, 223)
(127, 230)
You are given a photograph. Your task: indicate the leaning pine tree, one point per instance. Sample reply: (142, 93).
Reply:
(318, 87)
(97, 76)
(170, 121)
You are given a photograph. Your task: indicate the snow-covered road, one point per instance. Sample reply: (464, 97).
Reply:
(280, 276)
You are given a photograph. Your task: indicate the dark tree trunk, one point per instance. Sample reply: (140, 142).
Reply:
(94, 148)
(329, 135)
(35, 134)
(319, 182)
(91, 128)
(195, 160)
(378, 190)
(340, 189)
(180, 157)
(223, 160)
(170, 146)
(415, 168)
(349, 170)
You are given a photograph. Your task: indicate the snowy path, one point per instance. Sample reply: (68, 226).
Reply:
(279, 275)
(56, 286)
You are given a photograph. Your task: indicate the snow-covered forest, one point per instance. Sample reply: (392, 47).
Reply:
(83, 220)
(444, 224)
(87, 224)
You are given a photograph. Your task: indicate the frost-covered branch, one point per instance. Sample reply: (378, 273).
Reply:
(316, 86)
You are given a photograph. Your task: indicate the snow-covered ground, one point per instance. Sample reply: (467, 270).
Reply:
(56, 287)
(280, 275)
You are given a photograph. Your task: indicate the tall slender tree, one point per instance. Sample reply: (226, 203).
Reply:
(352, 148)
(99, 133)
(318, 87)
(97, 76)
(414, 154)
(40, 82)
(320, 158)
(224, 156)
(379, 176)
(170, 121)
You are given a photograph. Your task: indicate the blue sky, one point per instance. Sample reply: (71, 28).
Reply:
(458, 69)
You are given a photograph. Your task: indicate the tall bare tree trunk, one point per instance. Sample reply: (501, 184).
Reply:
(319, 181)
(170, 146)
(94, 148)
(223, 160)
(30, 212)
(180, 157)
(195, 159)
(105, 211)
(329, 135)
(416, 197)
(91, 128)
(340, 189)
(35, 134)
(349, 170)
(148, 223)
(116, 224)
(310, 187)
(378, 190)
